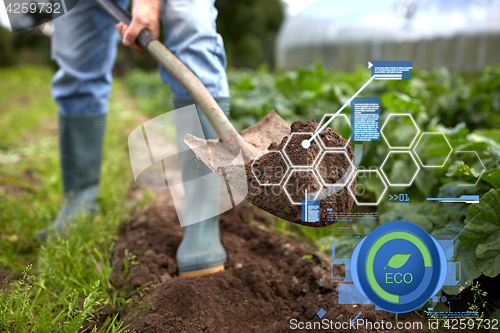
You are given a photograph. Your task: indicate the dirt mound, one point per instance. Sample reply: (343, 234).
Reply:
(267, 281)
(268, 177)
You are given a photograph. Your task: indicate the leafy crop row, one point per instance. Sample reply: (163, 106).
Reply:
(465, 109)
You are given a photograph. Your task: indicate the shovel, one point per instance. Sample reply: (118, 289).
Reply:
(257, 138)
(219, 121)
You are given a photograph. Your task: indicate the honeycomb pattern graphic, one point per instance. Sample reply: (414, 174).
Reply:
(261, 177)
(379, 177)
(388, 176)
(315, 157)
(311, 165)
(295, 142)
(293, 192)
(341, 118)
(472, 153)
(438, 161)
(340, 183)
(394, 117)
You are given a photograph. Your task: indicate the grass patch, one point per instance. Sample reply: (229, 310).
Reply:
(61, 284)
(25, 102)
(65, 281)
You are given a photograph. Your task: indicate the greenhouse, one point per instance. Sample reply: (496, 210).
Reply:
(458, 34)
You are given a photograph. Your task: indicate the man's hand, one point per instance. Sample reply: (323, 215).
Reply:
(145, 14)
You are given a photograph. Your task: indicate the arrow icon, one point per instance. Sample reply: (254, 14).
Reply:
(390, 197)
(370, 65)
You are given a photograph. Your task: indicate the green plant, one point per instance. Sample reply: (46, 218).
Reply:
(464, 109)
(249, 30)
(60, 284)
(478, 304)
(152, 95)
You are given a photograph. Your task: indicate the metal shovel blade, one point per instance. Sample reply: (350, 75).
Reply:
(225, 160)
(221, 158)
(215, 153)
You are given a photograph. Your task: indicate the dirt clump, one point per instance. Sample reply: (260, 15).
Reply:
(269, 279)
(265, 181)
(299, 182)
(273, 185)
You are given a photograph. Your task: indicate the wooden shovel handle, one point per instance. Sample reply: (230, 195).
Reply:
(186, 78)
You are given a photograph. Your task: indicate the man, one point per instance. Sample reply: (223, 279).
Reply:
(84, 44)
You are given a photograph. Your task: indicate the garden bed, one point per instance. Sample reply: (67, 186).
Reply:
(269, 278)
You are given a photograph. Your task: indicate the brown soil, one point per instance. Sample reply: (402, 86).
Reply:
(266, 282)
(332, 167)
(299, 156)
(262, 181)
(270, 173)
(299, 182)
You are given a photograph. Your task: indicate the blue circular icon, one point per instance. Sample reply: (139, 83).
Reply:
(398, 266)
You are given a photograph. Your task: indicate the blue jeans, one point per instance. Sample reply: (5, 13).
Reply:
(84, 44)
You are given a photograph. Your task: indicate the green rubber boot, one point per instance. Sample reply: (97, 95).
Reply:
(80, 143)
(200, 251)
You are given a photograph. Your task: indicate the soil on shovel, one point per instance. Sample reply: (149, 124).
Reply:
(269, 180)
(263, 181)
(268, 278)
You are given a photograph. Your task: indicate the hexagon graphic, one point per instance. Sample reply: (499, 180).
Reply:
(479, 159)
(400, 179)
(296, 155)
(272, 170)
(331, 173)
(298, 181)
(406, 138)
(432, 149)
(354, 194)
(341, 125)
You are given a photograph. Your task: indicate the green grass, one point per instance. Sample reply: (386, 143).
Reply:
(66, 280)
(25, 102)
(60, 284)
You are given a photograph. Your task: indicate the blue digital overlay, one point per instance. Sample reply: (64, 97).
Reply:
(310, 210)
(365, 119)
(356, 317)
(400, 69)
(349, 294)
(463, 198)
(321, 313)
(399, 266)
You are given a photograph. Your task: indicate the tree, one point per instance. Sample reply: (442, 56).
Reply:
(249, 29)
